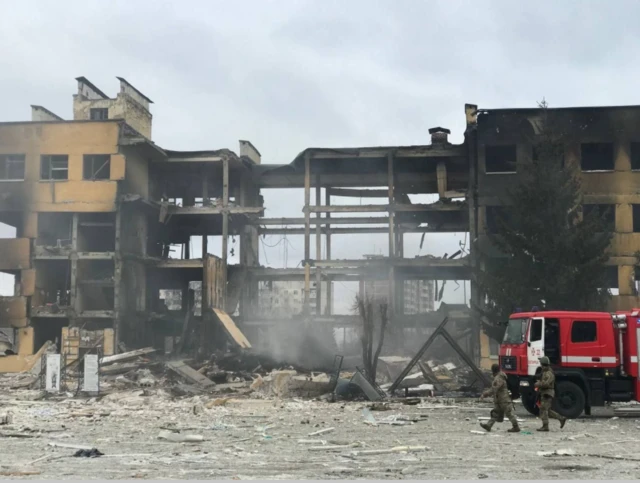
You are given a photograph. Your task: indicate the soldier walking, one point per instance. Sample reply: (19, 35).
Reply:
(546, 389)
(502, 404)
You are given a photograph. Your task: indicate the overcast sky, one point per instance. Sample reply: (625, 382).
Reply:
(288, 75)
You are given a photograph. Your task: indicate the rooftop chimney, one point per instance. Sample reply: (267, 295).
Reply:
(439, 135)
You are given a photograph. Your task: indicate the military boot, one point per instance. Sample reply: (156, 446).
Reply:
(545, 427)
(563, 421)
(514, 429)
(486, 427)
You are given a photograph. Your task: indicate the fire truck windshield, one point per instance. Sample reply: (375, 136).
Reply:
(516, 330)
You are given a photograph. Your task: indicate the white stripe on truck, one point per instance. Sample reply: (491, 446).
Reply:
(588, 360)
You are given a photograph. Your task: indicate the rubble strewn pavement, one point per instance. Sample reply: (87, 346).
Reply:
(162, 419)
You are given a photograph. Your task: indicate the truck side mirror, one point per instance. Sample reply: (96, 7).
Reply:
(529, 343)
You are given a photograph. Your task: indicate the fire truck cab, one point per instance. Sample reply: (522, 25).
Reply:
(594, 356)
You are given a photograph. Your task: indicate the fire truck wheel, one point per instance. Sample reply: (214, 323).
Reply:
(570, 400)
(529, 403)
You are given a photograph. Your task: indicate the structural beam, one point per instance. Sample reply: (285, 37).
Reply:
(423, 183)
(225, 227)
(364, 220)
(327, 201)
(391, 207)
(392, 241)
(398, 262)
(426, 320)
(215, 210)
(307, 229)
(357, 193)
(318, 249)
(447, 228)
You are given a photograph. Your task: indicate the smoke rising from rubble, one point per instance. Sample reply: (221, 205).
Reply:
(307, 346)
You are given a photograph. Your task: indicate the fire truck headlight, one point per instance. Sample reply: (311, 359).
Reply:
(524, 383)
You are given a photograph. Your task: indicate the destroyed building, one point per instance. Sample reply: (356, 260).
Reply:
(286, 299)
(104, 219)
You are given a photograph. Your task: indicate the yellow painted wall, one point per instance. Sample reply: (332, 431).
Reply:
(25, 341)
(75, 139)
(13, 311)
(15, 253)
(108, 344)
(27, 282)
(25, 358)
(485, 353)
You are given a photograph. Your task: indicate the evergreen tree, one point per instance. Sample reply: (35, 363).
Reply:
(554, 252)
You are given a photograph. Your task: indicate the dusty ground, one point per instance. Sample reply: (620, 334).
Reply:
(270, 439)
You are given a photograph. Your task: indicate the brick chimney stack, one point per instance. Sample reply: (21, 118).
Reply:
(439, 135)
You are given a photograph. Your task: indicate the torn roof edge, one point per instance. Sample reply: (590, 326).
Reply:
(565, 108)
(86, 81)
(122, 79)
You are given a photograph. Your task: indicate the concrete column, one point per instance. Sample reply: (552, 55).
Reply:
(225, 228)
(392, 236)
(318, 249)
(307, 230)
(329, 295)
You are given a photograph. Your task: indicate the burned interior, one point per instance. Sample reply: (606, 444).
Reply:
(123, 235)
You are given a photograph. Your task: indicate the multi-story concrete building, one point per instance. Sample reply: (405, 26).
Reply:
(104, 219)
(602, 145)
(97, 207)
(418, 296)
(285, 300)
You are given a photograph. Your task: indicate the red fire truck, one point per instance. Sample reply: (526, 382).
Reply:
(594, 356)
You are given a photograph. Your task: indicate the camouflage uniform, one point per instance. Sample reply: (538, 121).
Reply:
(546, 389)
(502, 404)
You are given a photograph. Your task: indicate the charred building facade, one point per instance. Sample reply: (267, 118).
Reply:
(601, 145)
(104, 221)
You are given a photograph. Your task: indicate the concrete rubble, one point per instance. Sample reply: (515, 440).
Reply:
(273, 432)
(199, 419)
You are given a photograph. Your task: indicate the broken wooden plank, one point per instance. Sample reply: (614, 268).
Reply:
(20, 473)
(232, 329)
(182, 369)
(427, 373)
(55, 444)
(417, 357)
(321, 431)
(118, 369)
(395, 449)
(126, 356)
(37, 357)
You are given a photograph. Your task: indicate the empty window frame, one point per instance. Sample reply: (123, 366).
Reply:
(54, 167)
(500, 159)
(634, 154)
(535, 332)
(596, 157)
(636, 218)
(605, 211)
(11, 167)
(611, 277)
(99, 114)
(558, 154)
(584, 331)
(96, 166)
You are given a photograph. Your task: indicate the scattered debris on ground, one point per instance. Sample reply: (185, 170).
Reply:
(204, 435)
